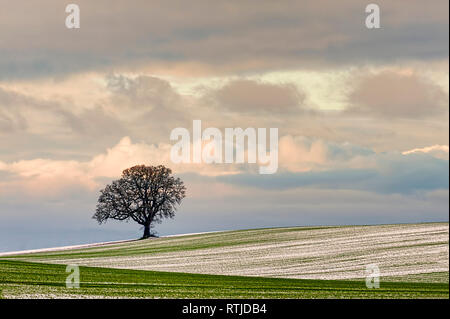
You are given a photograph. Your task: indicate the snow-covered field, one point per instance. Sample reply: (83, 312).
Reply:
(400, 251)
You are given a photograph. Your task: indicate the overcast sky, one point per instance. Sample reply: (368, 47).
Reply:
(362, 113)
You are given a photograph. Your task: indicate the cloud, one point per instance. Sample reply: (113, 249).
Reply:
(439, 151)
(303, 162)
(24, 112)
(48, 177)
(11, 118)
(52, 124)
(58, 119)
(392, 94)
(301, 154)
(216, 38)
(428, 149)
(51, 177)
(141, 92)
(393, 175)
(149, 107)
(254, 96)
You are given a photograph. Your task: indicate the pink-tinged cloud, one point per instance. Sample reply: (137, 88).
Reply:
(297, 154)
(438, 151)
(254, 96)
(393, 94)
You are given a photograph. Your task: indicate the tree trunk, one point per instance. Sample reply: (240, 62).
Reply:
(146, 231)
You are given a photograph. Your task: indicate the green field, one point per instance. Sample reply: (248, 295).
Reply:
(35, 280)
(294, 262)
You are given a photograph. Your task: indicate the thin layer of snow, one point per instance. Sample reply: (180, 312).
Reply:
(202, 233)
(320, 253)
(62, 248)
(93, 245)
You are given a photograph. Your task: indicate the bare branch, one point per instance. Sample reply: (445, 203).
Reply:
(144, 194)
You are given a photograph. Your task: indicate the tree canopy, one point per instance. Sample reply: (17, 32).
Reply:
(144, 194)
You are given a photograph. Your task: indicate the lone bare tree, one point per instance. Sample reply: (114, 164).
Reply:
(145, 194)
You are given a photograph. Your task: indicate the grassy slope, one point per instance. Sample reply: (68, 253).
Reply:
(405, 252)
(24, 279)
(413, 251)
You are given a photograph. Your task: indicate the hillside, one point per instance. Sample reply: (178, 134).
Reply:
(405, 252)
